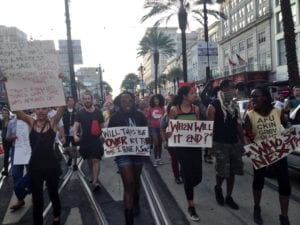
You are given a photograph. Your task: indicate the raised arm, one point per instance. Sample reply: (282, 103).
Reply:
(26, 118)
(210, 112)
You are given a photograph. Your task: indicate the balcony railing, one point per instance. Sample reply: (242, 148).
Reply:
(221, 72)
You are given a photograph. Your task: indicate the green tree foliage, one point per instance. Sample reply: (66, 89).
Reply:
(130, 82)
(156, 43)
(174, 73)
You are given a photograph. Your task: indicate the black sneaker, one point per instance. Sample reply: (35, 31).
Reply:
(231, 203)
(257, 215)
(284, 220)
(219, 195)
(96, 187)
(193, 214)
(5, 173)
(178, 180)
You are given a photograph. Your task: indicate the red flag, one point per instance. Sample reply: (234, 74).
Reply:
(240, 59)
(231, 63)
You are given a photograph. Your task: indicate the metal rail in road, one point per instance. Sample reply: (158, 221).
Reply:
(157, 209)
(100, 215)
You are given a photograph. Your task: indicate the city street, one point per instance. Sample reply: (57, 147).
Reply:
(77, 207)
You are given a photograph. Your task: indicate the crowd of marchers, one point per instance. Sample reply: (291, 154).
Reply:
(77, 126)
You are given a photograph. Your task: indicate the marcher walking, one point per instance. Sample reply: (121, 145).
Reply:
(90, 121)
(155, 114)
(190, 159)
(130, 167)
(6, 144)
(228, 132)
(43, 165)
(262, 123)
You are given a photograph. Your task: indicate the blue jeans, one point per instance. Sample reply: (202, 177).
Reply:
(22, 184)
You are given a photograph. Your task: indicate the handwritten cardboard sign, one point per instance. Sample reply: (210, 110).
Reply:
(32, 70)
(125, 141)
(264, 153)
(190, 133)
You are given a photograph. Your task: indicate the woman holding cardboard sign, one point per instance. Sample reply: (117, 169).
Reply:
(262, 123)
(190, 159)
(130, 166)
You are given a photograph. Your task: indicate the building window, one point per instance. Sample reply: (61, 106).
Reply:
(250, 64)
(250, 42)
(250, 6)
(281, 52)
(241, 46)
(297, 45)
(294, 12)
(233, 49)
(279, 25)
(263, 61)
(261, 37)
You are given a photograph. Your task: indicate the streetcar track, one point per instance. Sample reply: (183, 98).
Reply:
(101, 220)
(157, 209)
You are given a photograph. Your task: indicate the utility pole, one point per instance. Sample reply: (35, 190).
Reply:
(101, 83)
(70, 52)
(141, 69)
(206, 39)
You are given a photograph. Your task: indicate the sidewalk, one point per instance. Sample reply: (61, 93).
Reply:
(211, 213)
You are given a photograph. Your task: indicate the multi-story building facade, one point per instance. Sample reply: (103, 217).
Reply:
(279, 57)
(245, 46)
(90, 78)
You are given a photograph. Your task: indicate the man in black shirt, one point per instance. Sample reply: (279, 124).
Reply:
(90, 120)
(227, 132)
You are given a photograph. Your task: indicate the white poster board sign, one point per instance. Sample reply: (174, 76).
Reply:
(125, 141)
(22, 145)
(190, 133)
(32, 70)
(264, 153)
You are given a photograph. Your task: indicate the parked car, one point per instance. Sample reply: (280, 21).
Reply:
(294, 157)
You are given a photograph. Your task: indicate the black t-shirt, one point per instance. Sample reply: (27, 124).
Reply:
(86, 119)
(130, 119)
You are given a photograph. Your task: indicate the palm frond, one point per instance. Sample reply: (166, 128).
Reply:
(156, 8)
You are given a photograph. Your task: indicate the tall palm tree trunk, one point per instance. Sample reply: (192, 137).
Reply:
(156, 61)
(182, 19)
(290, 40)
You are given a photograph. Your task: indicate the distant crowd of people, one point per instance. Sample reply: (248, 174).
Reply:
(78, 125)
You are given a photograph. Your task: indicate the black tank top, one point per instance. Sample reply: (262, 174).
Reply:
(43, 155)
(224, 131)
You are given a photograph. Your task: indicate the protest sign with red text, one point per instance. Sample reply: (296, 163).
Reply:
(125, 141)
(190, 133)
(267, 152)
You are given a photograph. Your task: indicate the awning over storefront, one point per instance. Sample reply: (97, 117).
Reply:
(245, 77)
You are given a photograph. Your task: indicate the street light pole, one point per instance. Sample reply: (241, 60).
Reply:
(70, 52)
(101, 83)
(141, 69)
(206, 39)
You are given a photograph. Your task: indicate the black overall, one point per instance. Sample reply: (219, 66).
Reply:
(44, 166)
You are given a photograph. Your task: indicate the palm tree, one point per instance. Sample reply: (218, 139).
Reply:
(179, 7)
(130, 81)
(108, 88)
(156, 42)
(174, 75)
(290, 40)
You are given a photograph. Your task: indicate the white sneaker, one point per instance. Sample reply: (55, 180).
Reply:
(155, 163)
